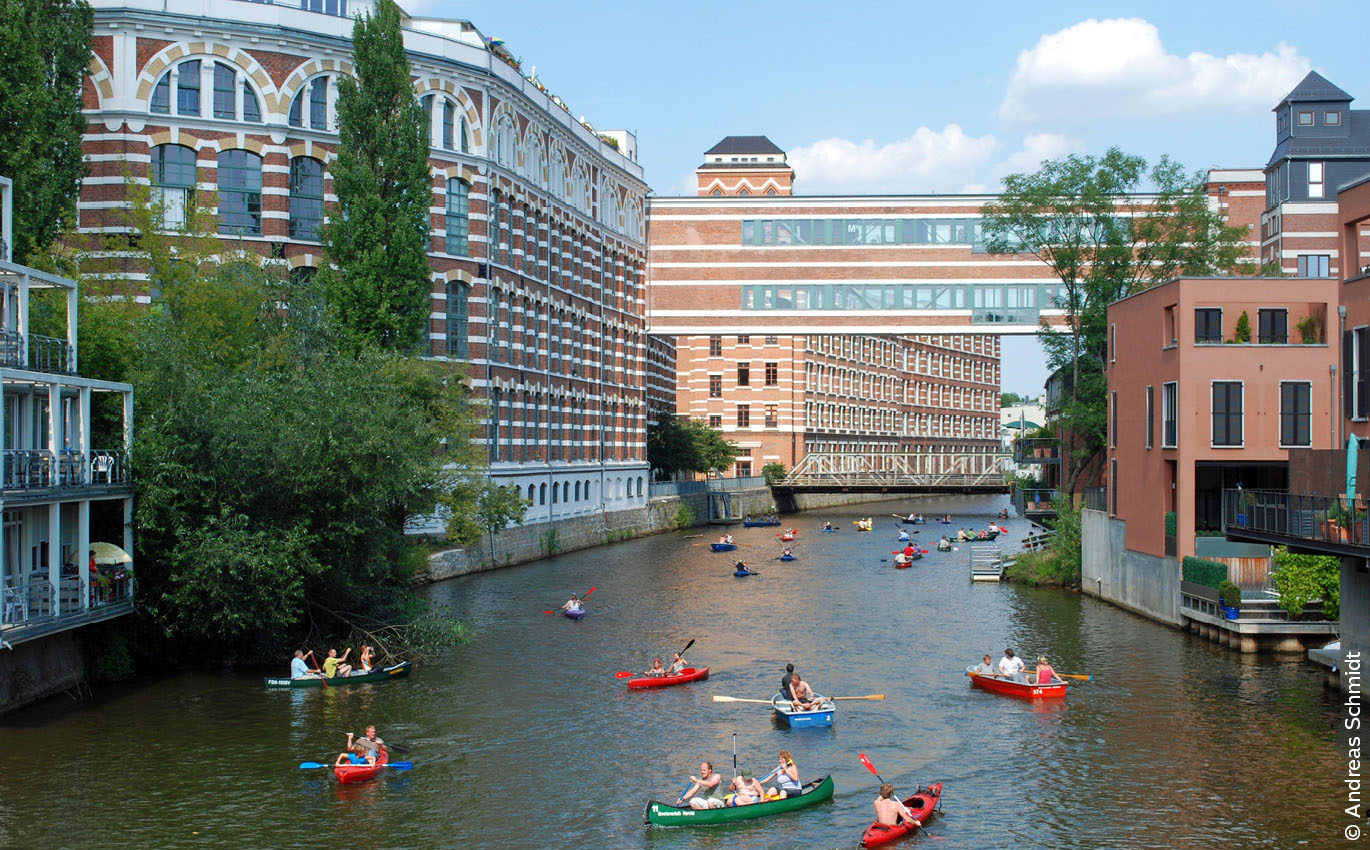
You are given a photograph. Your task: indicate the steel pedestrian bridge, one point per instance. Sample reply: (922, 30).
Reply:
(926, 471)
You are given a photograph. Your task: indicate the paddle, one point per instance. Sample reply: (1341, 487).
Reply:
(867, 763)
(583, 597)
(867, 696)
(399, 748)
(1083, 677)
(398, 765)
(323, 680)
(740, 699)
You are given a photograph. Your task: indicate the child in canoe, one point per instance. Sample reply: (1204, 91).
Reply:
(358, 755)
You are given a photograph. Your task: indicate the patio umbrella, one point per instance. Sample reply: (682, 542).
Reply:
(1352, 461)
(108, 553)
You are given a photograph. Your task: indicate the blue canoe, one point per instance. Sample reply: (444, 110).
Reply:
(821, 716)
(758, 523)
(787, 557)
(723, 547)
(574, 613)
(744, 573)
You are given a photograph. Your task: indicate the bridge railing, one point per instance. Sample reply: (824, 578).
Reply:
(899, 469)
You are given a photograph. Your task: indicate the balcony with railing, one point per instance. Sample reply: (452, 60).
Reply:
(37, 473)
(1037, 450)
(1328, 525)
(35, 607)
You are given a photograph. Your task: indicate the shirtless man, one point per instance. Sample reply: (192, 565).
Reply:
(803, 694)
(746, 790)
(891, 811)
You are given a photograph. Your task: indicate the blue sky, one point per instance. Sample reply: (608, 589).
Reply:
(919, 97)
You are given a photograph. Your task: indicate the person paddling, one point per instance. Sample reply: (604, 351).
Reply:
(656, 669)
(357, 755)
(371, 742)
(678, 663)
(706, 789)
(573, 604)
(890, 811)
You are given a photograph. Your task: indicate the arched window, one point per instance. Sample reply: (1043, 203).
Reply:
(240, 193)
(173, 183)
(639, 485)
(579, 188)
(314, 97)
(306, 198)
(449, 119)
(465, 136)
(532, 158)
(232, 97)
(458, 216)
(531, 489)
(427, 102)
(556, 176)
(542, 494)
(577, 491)
(504, 142)
(556, 493)
(186, 78)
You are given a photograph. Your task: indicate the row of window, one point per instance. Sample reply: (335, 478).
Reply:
(617, 488)
(888, 296)
(1272, 325)
(862, 231)
(770, 371)
(716, 343)
(572, 431)
(1226, 415)
(514, 243)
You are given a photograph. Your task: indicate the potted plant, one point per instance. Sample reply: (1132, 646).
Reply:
(1243, 332)
(1232, 599)
(1310, 329)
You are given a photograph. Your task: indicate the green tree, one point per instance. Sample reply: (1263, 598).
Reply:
(497, 508)
(1010, 399)
(1300, 579)
(671, 448)
(716, 452)
(45, 46)
(378, 285)
(774, 473)
(1106, 227)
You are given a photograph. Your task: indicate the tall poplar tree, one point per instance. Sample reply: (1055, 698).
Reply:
(45, 46)
(378, 282)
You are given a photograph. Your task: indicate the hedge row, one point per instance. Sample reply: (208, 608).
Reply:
(1207, 573)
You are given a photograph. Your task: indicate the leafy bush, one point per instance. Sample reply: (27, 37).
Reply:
(1172, 525)
(1207, 573)
(685, 516)
(774, 473)
(1231, 594)
(1300, 579)
(1310, 329)
(1065, 543)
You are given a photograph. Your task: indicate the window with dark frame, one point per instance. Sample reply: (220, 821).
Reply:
(1227, 413)
(772, 374)
(715, 386)
(1170, 431)
(1314, 265)
(744, 416)
(744, 374)
(1208, 325)
(1272, 326)
(772, 416)
(715, 420)
(306, 197)
(1296, 413)
(1113, 418)
(715, 346)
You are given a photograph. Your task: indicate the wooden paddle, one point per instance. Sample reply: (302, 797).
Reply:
(322, 678)
(740, 699)
(583, 597)
(867, 696)
(1083, 677)
(867, 763)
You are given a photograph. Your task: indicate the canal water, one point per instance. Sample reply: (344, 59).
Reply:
(523, 738)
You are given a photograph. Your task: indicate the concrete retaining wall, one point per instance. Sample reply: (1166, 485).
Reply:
(536, 541)
(1109, 570)
(39, 668)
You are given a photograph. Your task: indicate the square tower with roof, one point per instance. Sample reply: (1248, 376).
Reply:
(745, 165)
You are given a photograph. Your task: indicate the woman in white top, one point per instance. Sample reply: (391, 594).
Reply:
(786, 778)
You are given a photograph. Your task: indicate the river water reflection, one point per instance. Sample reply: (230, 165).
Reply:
(524, 739)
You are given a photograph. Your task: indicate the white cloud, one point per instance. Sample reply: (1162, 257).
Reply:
(1037, 147)
(926, 161)
(1118, 67)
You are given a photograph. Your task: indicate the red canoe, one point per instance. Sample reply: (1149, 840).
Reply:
(1055, 690)
(351, 773)
(689, 674)
(921, 804)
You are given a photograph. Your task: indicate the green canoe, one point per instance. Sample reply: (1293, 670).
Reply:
(394, 671)
(662, 814)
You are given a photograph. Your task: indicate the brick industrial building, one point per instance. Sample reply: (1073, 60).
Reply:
(537, 246)
(780, 396)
